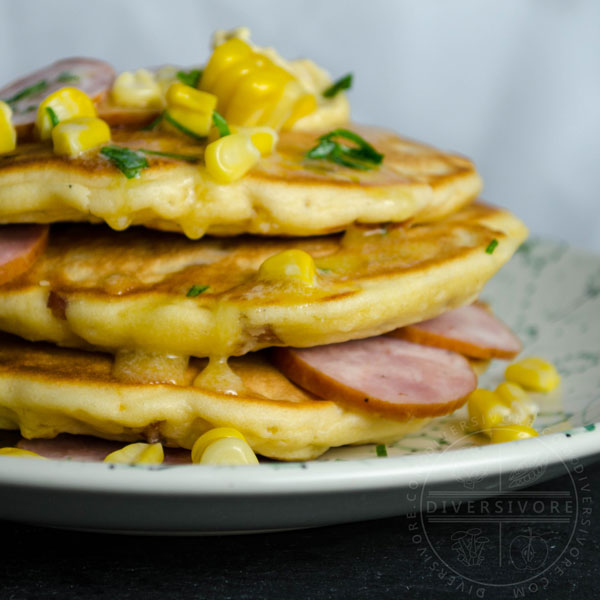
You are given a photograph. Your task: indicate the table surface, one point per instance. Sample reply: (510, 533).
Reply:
(361, 560)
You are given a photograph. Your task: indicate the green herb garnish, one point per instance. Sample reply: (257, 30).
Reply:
(363, 156)
(154, 123)
(53, 117)
(381, 450)
(343, 83)
(491, 246)
(31, 90)
(186, 157)
(130, 163)
(65, 77)
(196, 290)
(190, 77)
(220, 123)
(169, 119)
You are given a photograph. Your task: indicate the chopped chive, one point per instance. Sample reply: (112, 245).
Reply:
(381, 450)
(196, 290)
(169, 119)
(65, 77)
(363, 156)
(130, 163)
(343, 83)
(221, 124)
(31, 90)
(491, 246)
(53, 117)
(186, 157)
(154, 123)
(190, 77)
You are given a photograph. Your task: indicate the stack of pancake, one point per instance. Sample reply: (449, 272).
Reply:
(144, 314)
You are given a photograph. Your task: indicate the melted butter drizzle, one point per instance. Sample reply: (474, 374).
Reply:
(218, 376)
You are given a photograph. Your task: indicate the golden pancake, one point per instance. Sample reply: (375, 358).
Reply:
(129, 291)
(286, 194)
(45, 391)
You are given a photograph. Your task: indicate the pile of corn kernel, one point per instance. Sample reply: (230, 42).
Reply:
(507, 413)
(218, 446)
(255, 98)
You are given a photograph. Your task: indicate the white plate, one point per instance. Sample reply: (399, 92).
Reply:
(548, 293)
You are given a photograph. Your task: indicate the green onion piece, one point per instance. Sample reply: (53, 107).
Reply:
(190, 77)
(53, 117)
(196, 290)
(154, 123)
(186, 157)
(65, 77)
(36, 88)
(491, 246)
(343, 83)
(130, 163)
(169, 119)
(363, 156)
(381, 450)
(221, 124)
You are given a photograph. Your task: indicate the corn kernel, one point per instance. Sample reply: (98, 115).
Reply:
(264, 138)
(67, 103)
(522, 409)
(229, 451)
(305, 105)
(229, 79)
(533, 374)
(223, 57)
(486, 410)
(212, 435)
(8, 133)
(229, 158)
(19, 453)
(137, 454)
(256, 95)
(512, 433)
(290, 265)
(75, 136)
(185, 96)
(139, 89)
(191, 122)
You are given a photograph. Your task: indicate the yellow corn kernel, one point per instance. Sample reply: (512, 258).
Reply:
(139, 89)
(229, 158)
(290, 265)
(522, 409)
(137, 454)
(486, 410)
(8, 133)
(212, 435)
(67, 103)
(223, 57)
(256, 96)
(305, 105)
(75, 136)
(229, 451)
(264, 138)
(18, 453)
(228, 80)
(533, 374)
(185, 96)
(512, 433)
(190, 122)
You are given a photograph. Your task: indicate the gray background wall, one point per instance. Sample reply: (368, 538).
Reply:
(515, 85)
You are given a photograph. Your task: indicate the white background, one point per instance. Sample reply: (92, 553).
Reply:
(515, 85)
